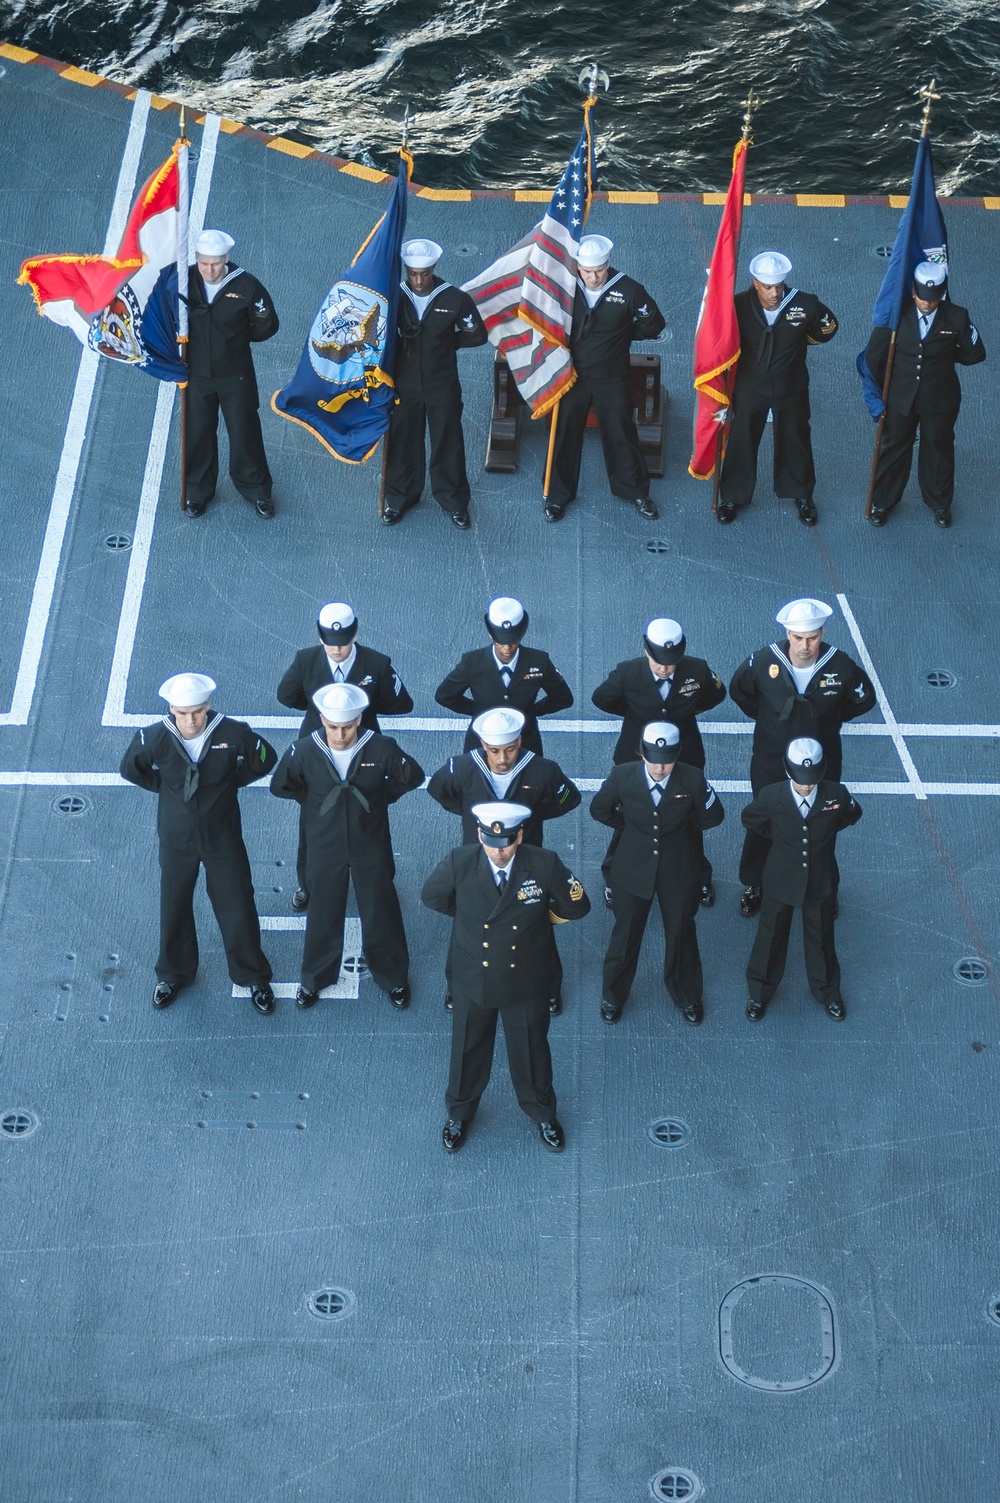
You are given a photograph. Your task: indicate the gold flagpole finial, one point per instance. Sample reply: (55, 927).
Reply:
(751, 104)
(927, 95)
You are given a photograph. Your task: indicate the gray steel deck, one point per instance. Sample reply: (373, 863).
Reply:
(521, 1328)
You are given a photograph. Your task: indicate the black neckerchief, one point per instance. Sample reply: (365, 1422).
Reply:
(332, 797)
(192, 777)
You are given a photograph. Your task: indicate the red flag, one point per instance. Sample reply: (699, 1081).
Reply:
(717, 339)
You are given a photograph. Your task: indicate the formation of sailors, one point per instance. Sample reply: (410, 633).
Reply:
(503, 890)
(778, 322)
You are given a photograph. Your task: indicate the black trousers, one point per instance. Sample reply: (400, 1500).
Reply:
(681, 960)
(794, 472)
(382, 932)
(237, 397)
(230, 892)
(628, 473)
(473, 1037)
(407, 463)
(935, 460)
(766, 965)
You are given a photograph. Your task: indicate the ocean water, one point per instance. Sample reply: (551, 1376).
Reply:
(493, 83)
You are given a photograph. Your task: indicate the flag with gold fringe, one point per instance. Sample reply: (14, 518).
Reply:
(343, 391)
(717, 339)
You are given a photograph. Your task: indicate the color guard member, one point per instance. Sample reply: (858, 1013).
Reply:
(777, 325)
(229, 310)
(610, 310)
(934, 336)
(435, 320)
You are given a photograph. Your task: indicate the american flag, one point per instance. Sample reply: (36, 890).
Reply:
(526, 298)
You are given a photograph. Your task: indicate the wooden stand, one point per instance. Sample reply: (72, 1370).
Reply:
(649, 407)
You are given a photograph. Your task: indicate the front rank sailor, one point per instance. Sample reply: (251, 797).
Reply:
(196, 762)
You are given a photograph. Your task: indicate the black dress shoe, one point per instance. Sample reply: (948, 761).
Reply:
(706, 896)
(391, 516)
(300, 900)
(305, 998)
(611, 1011)
(555, 1006)
(693, 1013)
(461, 520)
(609, 898)
(400, 996)
(878, 516)
(165, 993)
(750, 899)
(836, 1010)
(725, 512)
(265, 508)
(553, 512)
(807, 511)
(262, 998)
(453, 1135)
(449, 1005)
(756, 1010)
(195, 508)
(943, 518)
(552, 1136)
(647, 508)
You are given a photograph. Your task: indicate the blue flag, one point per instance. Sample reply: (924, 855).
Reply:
(158, 331)
(921, 237)
(343, 389)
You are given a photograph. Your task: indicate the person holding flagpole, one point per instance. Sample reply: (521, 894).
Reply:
(777, 325)
(228, 311)
(434, 321)
(934, 335)
(610, 310)
(907, 371)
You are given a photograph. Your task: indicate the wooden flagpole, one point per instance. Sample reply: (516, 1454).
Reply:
(928, 96)
(403, 151)
(182, 295)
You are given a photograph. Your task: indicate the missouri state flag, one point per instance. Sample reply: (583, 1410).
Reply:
(343, 391)
(717, 339)
(102, 299)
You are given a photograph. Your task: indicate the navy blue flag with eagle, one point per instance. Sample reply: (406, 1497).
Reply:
(921, 237)
(343, 390)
